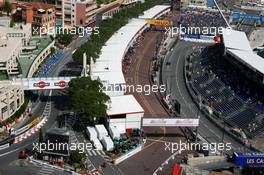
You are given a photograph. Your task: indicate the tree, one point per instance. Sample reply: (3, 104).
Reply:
(11, 23)
(7, 8)
(52, 50)
(41, 139)
(108, 27)
(87, 98)
(76, 156)
(65, 38)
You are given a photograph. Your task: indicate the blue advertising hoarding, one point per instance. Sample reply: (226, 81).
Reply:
(210, 2)
(237, 15)
(190, 36)
(249, 159)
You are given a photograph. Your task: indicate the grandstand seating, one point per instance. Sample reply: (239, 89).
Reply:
(228, 106)
(224, 89)
(44, 69)
(241, 119)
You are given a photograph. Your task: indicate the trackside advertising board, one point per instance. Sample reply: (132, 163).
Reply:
(159, 22)
(48, 84)
(170, 122)
(237, 15)
(249, 159)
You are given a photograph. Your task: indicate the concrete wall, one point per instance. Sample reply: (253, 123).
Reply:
(39, 59)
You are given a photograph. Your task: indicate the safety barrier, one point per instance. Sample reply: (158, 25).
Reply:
(35, 128)
(4, 146)
(32, 127)
(21, 130)
(127, 155)
(41, 163)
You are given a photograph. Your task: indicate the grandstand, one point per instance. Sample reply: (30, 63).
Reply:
(231, 83)
(202, 18)
(237, 46)
(44, 69)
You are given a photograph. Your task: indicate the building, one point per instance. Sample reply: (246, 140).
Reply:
(107, 11)
(11, 99)
(11, 42)
(124, 112)
(67, 12)
(79, 12)
(85, 12)
(198, 3)
(40, 15)
(126, 118)
(2, 3)
(59, 11)
(57, 142)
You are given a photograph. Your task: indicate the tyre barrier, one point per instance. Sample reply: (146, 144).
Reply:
(31, 131)
(35, 128)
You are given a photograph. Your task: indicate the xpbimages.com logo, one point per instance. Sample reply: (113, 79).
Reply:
(181, 30)
(58, 146)
(146, 89)
(183, 146)
(80, 31)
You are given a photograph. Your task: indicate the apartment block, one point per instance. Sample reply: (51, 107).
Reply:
(79, 12)
(41, 15)
(11, 99)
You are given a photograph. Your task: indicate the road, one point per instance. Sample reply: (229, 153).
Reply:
(59, 105)
(9, 156)
(173, 75)
(154, 152)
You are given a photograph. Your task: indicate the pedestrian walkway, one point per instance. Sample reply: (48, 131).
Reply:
(45, 170)
(95, 152)
(73, 137)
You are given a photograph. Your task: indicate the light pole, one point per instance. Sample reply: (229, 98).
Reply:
(198, 115)
(223, 134)
(196, 134)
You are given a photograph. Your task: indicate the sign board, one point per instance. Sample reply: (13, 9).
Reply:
(238, 16)
(48, 84)
(185, 122)
(165, 23)
(33, 122)
(43, 83)
(249, 159)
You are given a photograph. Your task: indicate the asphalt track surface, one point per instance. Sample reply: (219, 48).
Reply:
(173, 75)
(153, 153)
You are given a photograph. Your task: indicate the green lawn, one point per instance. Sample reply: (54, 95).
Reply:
(25, 62)
(3, 76)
